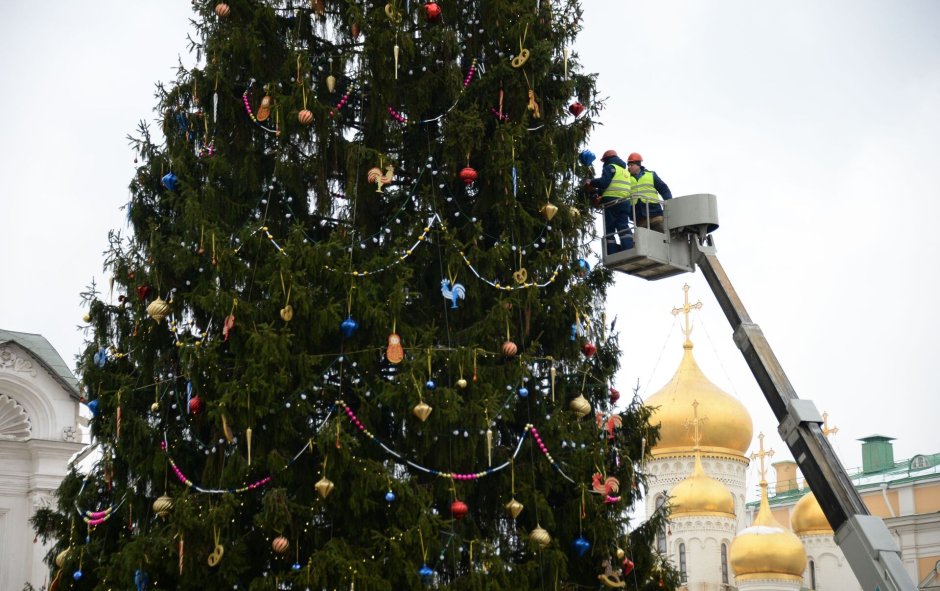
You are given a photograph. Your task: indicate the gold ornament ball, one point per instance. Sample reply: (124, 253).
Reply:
(61, 557)
(549, 211)
(324, 487)
(158, 309)
(514, 508)
(305, 117)
(422, 410)
(540, 537)
(155, 407)
(222, 9)
(280, 545)
(86, 318)
(287, 312)
(580, 406)
(621, 554)
(461, 383)
(162, 505)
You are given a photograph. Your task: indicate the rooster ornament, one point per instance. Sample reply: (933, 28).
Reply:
(458, 292)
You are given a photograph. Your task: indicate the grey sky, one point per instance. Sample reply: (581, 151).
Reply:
(815, 123)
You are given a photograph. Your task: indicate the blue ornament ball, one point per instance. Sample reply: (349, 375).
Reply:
(101, 357)
(93, 407)
(523, 392)
(427, 573)
(587, 157)
(430, 384)
(584, 267)
(295, 566)
(77, 575)
(389, 497)
(581, 545)
(348, 327)
(169, 181)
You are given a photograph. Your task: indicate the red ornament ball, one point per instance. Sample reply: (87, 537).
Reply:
(459, 509)
(305, 117)
(468, 175)
(195, 405)
(510, 349)
(576, 108)
(280, 544)
(627, 566)
(614, 395)
(432, 11)
(589, 349)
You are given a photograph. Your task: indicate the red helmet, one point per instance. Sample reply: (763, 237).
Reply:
(634, 157)
(608, 155)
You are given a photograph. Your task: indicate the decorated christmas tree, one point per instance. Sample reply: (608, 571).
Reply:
(353, 340)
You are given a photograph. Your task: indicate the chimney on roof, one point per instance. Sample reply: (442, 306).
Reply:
(786, 476)
(877, 453)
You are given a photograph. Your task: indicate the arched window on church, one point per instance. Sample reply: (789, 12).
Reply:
(683, 572)
(812, 574)
(724, 563)
(661, 534)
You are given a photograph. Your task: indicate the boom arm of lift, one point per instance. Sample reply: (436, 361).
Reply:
(866, 542)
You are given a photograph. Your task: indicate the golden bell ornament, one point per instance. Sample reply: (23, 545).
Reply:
(222, 9)
(580, 406)
(514, 508)
(287, 312)
(158, 309)
(162, 505)
(422, 410)
(305, 117)
(324, 487)
(280, 545)
(540, 537)
(548, 210)
(330, 83)
(61, 557)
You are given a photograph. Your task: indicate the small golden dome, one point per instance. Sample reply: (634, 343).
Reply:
(729, 425)
(808, 518)
(766, 548)
(700, 494)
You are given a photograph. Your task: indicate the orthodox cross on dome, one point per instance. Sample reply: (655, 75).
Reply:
(686, 309)
(695, 424)
(826, 429)
(761, 455)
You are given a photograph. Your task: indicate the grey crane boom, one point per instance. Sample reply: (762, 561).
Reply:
(868, 546)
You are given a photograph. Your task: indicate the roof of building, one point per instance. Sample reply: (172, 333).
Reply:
(43, 350)
(918, 467)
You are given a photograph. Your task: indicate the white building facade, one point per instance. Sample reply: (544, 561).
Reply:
(39, 433)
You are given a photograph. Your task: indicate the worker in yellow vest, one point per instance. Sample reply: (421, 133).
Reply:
(645, 189)
(613, 194)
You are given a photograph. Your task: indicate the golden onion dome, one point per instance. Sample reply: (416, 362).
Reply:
(766, 548)
(729, 425)
(808, 518)
(700, 494)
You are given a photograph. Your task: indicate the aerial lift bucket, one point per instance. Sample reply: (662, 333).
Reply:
(656, 255)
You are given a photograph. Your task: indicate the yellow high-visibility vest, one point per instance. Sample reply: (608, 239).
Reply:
(642, 189)
(619, 187)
